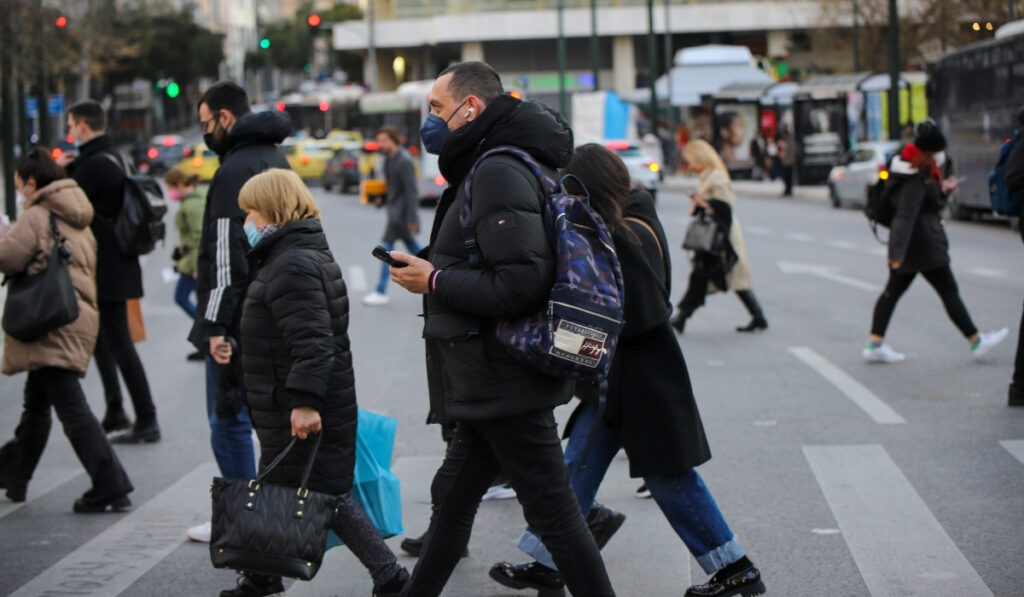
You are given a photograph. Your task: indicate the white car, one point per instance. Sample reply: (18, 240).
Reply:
(858, 169)
(643, 171)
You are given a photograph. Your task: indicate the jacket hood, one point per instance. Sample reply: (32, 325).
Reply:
(304, 234)
(259, 127)
(538, 130)
(66, 199)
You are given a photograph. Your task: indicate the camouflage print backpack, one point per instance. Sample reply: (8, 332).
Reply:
(574, 335)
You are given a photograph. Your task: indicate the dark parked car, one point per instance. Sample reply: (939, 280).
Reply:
(162, 152)
(342, 171)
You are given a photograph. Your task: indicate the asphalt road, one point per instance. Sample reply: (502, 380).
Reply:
(839, 478)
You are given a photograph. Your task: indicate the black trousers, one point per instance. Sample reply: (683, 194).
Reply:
(1018, 363)
(60, 389)
(528, 450)
(942, 281)
(787, 179)
(116, 351)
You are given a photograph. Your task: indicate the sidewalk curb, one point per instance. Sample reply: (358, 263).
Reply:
(747, 188)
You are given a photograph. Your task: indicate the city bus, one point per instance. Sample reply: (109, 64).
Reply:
(974, 95)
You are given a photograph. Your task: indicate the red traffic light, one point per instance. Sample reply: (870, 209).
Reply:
(324, 106)
(313, 20)
(62, 22)
(279, 106)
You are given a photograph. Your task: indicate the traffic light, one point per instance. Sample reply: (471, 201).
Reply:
(173, 90)
(265, 43)
(62, 22)
(314, 21)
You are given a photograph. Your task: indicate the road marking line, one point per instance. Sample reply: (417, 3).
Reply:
(827, 272)
(44, 480)
(861, 396)
(356, 278)
(895, 540)
(1015, 447)
(120, 555)
(757, 230)
(986, 272)
(841, 244)
(800, 238)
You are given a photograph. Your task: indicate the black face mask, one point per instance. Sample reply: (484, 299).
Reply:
(216, 143)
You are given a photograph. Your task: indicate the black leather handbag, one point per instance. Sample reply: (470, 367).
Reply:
(702, 234)
(42, 302)
(270, 529)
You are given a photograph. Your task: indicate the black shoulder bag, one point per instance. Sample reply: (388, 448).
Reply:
(270, 529)
(42, 302)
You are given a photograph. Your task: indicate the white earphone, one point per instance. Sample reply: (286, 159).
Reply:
(468, 112)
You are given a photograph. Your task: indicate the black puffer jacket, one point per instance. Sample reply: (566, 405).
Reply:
(295, 352)
(118, 276)
(917, 237)
(471, 376)
(223, 269)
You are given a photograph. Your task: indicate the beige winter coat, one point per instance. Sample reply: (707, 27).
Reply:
(26, 246)
(715, 184)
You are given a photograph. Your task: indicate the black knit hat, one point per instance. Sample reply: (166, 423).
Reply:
(928, 137)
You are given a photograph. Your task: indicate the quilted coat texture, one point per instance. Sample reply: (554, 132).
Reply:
(295, 352)
(26, 246)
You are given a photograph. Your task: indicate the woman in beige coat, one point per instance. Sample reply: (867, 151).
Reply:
(728, 268)
(56, 360)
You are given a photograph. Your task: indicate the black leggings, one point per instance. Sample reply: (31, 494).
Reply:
(942, 281)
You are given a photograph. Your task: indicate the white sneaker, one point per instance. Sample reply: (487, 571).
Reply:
(883, 354)
(987, 341)
(376, 299)
(642, 493)
(200, 533)
(499, 492)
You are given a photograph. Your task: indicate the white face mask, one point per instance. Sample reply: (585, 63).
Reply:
(940, 158)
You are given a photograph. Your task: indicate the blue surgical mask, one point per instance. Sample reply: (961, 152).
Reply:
(252, 233)
(434, 131)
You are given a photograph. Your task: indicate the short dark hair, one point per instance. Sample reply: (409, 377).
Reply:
(391, 132)
(474, 78)
(225, 95)
(91, 113)
(38, 165)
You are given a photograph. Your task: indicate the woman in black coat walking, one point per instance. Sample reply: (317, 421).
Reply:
(918, 244)
(650, 409)
(298, 367)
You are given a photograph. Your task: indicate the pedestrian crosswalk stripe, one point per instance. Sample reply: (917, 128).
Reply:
(897, 543)
(872, 405)
(44, 480)
(120, 555)
(1015, 447)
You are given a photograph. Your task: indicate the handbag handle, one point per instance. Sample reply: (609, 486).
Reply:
(309, 463)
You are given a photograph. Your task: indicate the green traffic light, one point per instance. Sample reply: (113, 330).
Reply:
(173, 90)
(264, 43)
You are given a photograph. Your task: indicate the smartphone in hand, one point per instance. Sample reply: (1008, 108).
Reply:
(381, 253)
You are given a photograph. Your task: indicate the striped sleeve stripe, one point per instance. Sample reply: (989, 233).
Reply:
(222, 261)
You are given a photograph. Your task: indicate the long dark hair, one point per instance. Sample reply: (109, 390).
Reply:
(37, 164)
(606, 179)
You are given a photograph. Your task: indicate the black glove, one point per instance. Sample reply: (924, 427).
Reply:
(229, 382)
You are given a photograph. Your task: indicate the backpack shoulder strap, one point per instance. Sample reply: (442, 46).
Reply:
(548, 187)
(649, 229)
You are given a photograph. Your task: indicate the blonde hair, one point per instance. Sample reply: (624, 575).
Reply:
(700, 152)
(176, 177)
(280, 195)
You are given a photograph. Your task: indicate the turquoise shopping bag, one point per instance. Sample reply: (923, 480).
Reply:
(375, 487)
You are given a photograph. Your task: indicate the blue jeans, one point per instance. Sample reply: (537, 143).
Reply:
(385, 275)
(231, 438)
(183, 294)
(683, 498)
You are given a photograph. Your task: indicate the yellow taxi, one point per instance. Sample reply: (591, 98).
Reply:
(199, 159)
(339, 139)
(307, 158)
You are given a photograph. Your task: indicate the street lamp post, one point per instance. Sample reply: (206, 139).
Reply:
(856, 37)
(371, 76)
(652, 60)
(562, 103)
(595, 60)
(894, 71)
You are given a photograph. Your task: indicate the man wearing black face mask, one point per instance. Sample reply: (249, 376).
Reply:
(246, 143)
(502, 411)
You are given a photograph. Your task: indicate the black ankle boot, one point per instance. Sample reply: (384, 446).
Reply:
(738, 578)
(533, 575)
(750, 302)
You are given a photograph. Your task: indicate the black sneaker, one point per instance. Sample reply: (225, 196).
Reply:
(746, 582)
(603, 522)
(394, 587)
(115, 420)
(413, 546)
(118, 503)
(146, 434)
(534, 576)
(255, 585)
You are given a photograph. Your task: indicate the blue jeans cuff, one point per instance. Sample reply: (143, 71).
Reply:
(534, 547)
(721, 556)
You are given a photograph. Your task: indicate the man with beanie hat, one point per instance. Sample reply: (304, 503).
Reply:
(1015, 181)
(918, 244)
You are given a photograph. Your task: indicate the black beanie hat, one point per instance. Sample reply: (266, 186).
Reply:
(928, 137)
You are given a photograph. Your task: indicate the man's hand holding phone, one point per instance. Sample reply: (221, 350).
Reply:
(413, 274)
